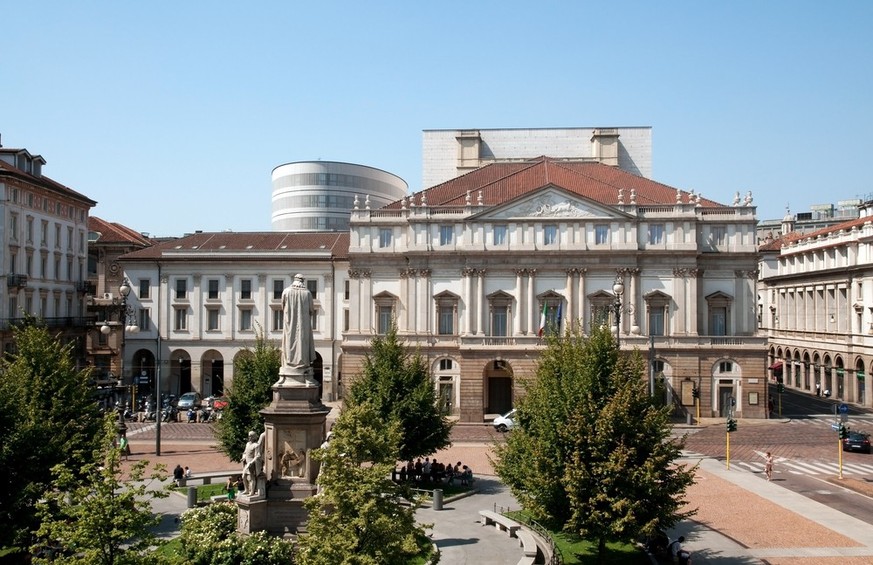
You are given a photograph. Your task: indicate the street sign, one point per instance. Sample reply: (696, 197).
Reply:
(835, 427)
(844, 409)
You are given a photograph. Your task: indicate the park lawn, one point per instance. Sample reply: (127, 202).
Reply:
(205, 492)
(579, 551)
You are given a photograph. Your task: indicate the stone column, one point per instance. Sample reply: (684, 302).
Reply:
(634, 302)
(405, 302)
(367, 300)
(531, 302)
(467, 273)
(424, 301)
(516, 310)
(357, 300)
(693, 302)
(483, 304)
(583, 305)
(568, 313)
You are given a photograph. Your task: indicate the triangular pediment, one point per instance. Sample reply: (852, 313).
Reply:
(549, 295)
(500, 295)
(656, 295)
(446, 295)
(551, 203)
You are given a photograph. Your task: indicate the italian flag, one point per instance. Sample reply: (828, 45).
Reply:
(542, 321)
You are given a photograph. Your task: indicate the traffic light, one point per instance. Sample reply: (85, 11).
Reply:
(844, 432)
(695, 392)
(731, 425)
(780, 388)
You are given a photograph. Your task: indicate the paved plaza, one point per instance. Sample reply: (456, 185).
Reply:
(741, 519)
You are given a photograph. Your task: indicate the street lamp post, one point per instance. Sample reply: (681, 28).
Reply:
(618, 290)
(127, 321)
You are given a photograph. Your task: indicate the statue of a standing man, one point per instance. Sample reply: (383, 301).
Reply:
(298, 346)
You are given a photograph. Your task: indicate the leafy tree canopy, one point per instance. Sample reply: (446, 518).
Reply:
(592, 452)
(94, 516)
(359, 516)
(399, 386)
(255, 371)
(48, 417)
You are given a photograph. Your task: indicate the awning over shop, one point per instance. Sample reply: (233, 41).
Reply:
(777, 366)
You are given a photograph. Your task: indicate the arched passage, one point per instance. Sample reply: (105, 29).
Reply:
(212, 373)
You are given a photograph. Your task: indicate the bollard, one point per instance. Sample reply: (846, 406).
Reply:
(688, 418)
(192, 497)
(437, 499)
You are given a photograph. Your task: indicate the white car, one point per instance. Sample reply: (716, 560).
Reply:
(505, 422)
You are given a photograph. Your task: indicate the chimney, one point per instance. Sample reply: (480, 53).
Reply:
(605, 146)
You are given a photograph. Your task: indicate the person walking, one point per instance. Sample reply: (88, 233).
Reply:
(768, 465)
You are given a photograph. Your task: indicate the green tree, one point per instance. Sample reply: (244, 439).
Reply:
(400, 388)
(593, 452)
(255, 371)
(359, 516)
(48, 417)
(94, 516)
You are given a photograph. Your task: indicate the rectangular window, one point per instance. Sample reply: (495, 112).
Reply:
(29, 230)
(656, 233)
(43, 239)
(212, 319)
(346, 319)
(213, 289)
(245, 290)
(278, 289)
(42, 267)
(726, 367)
(656, 322)
(498, 321)
(57, 236)
(144, 319)
(445, 364)
(13, 227)
(69, 239)
(312, 285)
(12, 258)
(385, 319)
(181, 289)
(385, 237)
(28, 265)
(601, 234)
(347, 291)
(313, 320)
(13, 307)
(718, 321)
(70, 270)
(145, 289)
(245, 320)
(550, 234)
(718, 235)
(180, 319)
(278, 320)
(499, 235)
(446, 235)
(447, 320)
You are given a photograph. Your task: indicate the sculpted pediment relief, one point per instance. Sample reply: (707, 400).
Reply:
(551, 203)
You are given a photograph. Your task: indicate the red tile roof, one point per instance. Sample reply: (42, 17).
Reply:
(45, 182)
(502, 182)
(113, 232)
(778, 243)
(336, 243)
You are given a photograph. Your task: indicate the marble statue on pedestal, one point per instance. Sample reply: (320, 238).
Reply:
(298, 345)
(253, 475)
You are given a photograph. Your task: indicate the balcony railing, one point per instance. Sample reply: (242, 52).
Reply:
(62, 322)
(19, 281)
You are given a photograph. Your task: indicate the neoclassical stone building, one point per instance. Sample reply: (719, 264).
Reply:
(816, 296)
(471, 269)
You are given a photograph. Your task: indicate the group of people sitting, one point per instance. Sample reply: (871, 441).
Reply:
(435, 472)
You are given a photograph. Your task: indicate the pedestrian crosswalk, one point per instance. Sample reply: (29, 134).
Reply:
(795, 467)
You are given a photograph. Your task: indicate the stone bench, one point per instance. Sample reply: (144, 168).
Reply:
(206, 478)
(527, 542)
(500, 522)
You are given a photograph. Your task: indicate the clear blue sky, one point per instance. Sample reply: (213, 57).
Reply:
(173, 114)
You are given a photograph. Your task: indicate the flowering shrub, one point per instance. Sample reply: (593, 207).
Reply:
(209, 537)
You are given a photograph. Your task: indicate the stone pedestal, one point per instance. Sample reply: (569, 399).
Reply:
(294, 425)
